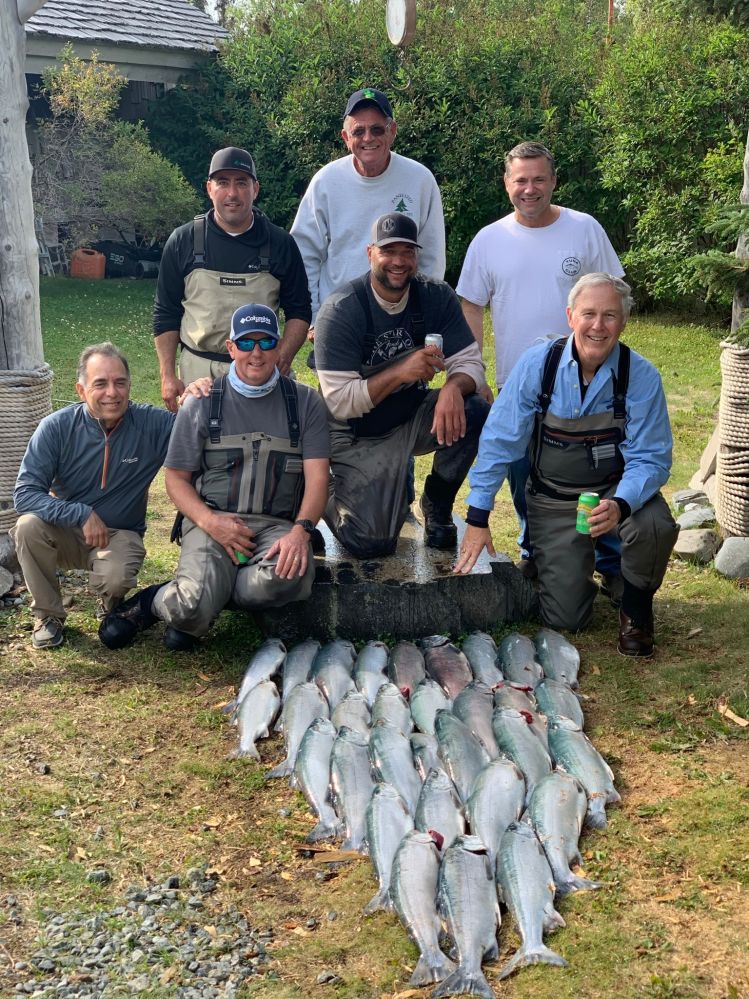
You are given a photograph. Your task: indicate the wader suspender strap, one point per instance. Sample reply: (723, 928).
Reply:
(621, 383)
(290, 397)
(199, 228)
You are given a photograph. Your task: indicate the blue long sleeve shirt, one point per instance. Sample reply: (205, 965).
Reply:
(72, 467)
(507, 432)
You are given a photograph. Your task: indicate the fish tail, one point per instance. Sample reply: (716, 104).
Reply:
(239, 754)
(540, 954)
(463, 982)
(282, 770)
(432, 966)
(380, 903)
(575, 883)
(321, 831)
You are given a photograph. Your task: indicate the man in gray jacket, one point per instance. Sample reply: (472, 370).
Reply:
(82, 491)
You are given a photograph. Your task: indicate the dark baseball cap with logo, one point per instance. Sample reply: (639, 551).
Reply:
(394, 228)
(232, 158)
(368, 96)
(250, 320)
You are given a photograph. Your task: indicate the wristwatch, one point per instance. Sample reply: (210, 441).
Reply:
(306, 524)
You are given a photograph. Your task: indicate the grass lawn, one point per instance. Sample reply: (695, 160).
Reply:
(133, 742)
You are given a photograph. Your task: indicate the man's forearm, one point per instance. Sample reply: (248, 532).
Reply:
(316, 487)
(474, 316)
(185, 497)
(294, 336)
(166, 350)
(463, 382)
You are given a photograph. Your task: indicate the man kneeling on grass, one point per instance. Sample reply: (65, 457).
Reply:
(248, 470)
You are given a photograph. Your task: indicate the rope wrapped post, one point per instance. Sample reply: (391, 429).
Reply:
(732, 471)
(25, 397)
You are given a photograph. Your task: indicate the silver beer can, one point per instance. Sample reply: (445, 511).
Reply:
(433, 340)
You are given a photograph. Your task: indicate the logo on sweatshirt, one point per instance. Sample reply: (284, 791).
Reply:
(402, 203)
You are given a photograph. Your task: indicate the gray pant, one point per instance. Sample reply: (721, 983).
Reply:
(566, 559)
(44, 548)
(369, 503)
(207, 579)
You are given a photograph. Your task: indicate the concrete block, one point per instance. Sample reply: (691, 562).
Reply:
(733, 558)
(410, 594)
(697, 546)
(700, 517)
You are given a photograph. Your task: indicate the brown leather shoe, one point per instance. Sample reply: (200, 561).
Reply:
(634, 641)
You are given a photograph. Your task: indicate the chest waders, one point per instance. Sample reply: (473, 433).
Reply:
(252, 473)
(570, 456)
(211, 298)
(400, 406)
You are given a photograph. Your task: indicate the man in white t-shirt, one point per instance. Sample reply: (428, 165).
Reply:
(523, 266)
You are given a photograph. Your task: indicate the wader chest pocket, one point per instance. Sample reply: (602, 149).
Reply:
(580, 458)
(284, 485)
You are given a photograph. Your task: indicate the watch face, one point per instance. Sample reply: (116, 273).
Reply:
(400, 21)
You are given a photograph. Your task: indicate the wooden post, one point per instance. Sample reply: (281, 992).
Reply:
(20, 326)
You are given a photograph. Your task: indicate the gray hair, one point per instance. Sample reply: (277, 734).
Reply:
(597, 278)
(105, 349)
(529, 151)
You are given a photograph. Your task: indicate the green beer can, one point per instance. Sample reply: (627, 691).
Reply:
(586, 503)
(241, 557)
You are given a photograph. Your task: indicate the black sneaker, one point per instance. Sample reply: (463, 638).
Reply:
(318, 542)
(179, 641)
(121, 625)
(439, 529)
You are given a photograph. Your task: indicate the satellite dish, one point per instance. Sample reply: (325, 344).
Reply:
(400, 21)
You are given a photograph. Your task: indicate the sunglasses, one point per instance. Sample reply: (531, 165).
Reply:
(265, 343)
(374, 130)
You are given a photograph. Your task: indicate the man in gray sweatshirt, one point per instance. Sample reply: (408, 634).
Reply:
(82, 491)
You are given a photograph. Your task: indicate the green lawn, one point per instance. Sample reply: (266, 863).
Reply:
(673, 919)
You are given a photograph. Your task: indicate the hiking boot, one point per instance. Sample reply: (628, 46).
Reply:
(635, 639)
(179, 641)
(318, 542)
(613, 588)
(439, 529)
(121, 625)
(49, 633)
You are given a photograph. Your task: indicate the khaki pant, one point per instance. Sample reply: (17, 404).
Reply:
(44, 548)
(207, 579)
(566, 559)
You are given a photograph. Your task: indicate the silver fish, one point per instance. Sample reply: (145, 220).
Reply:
(527, 889)
(439, 809)
(352, 785)
(256, 713)
(574, 752)
(425, 702)
(406, 666)
(557, 700)
(390, 752)
(339, 650)
(559, 658)
(449, 667)
(556, 812)
(474, 705)
(298, 663)
(353, 711)
(369, 670)
(517, 659)
(305, 703)
(513, 695)
(266, 662)
(425, 750)
(497, 800)
(518, 742)
(312, 771)
(413, 889)
(388, 821)
(481, 651)
(391, 705)
(461, 752)
(467, 897)
(333, 677)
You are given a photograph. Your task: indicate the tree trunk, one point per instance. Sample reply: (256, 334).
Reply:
(741, 301)
(20, 326)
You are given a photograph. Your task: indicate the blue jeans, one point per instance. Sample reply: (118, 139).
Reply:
(608, 548)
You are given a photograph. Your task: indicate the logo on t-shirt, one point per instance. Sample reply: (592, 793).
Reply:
(402, 203)
(571, 266)
(390, 344)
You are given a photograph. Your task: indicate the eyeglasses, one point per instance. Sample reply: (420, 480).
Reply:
(376, 131)
(266, 343)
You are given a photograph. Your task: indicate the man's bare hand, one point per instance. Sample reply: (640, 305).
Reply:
(284, 366)
(95, 532)
(421, 365)
(311, 334)
(604, 518)
(486, 394)
(200, 388)
(171, 389)
(474, 541)
(293, 553)
(230, 531)
(449, 423)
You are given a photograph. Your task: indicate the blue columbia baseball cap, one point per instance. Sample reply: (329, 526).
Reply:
(251, 319)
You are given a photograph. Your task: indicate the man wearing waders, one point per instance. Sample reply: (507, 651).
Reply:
(377, 345)
(594, 415)
(218, 262)
(248, 470)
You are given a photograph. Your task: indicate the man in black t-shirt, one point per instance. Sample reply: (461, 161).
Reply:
(217, 263)
(374, 370)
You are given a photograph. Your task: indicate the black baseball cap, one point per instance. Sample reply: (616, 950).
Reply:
(395, 227)
(232, 158)
(368, 96)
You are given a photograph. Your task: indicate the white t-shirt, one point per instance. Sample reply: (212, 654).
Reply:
(526, 275)
(333, 224)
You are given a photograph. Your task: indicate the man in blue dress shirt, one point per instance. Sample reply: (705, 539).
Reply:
(594, 415)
